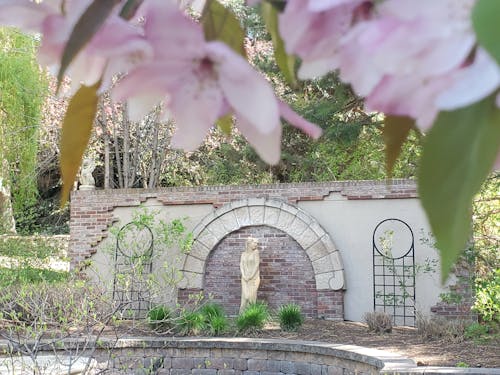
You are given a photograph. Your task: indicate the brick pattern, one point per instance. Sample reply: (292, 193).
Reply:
(91, 210)
(286, 272)
(463, 290)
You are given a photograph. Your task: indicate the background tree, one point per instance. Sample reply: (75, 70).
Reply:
(22, 89)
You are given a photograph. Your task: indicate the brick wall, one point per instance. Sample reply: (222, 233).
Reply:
(461, 296)
(92, 210)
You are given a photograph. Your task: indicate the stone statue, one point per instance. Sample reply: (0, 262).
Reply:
(250, 275)
(87, 181)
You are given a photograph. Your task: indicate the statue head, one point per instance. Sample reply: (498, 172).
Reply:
(252, 243)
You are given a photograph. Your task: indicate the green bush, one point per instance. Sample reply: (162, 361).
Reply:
(191, 322)
(30, 275)
(290, 317)
(215, 318)
(475, 331)
(487, 303)
(159, 318)
(253, 317)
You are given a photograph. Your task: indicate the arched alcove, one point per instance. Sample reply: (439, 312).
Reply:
(323, 256)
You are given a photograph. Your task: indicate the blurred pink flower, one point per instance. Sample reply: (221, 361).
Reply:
(202, 81)
(116, 47)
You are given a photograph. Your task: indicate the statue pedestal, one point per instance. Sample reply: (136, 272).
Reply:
(86, 187)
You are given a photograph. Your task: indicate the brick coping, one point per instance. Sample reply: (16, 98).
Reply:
(383, 361)
(336, 185)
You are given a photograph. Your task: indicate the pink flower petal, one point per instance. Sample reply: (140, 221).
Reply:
(195, 110)
(471, 83)
(267, 146)
(25, 15)
(248, 93)
(298, 122)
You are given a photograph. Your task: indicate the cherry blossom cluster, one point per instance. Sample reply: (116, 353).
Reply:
(163, 57)
(406, 57)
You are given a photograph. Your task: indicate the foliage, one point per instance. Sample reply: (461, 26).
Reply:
(159, 318)
(487, 298)
(253, 317)
(23, 88)
(190, 322)
(290, 317)
(475, 331)
(378, 321)
(26, 260)
(486, 221)
(215, 318)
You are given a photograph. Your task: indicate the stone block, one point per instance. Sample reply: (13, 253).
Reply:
(240, 364)
(226, 372)
(322, 265)
(335, 370)
(302, 368)
(323, 280)
(199, 251)
(182, 363)
(257, 364)
(274, 354)
(204, 371)
(284, 221)
(220, 363)
(288, 367)
(208, 239)
(191, 280)
(297, 228)
(316, 369)
(273, 365)
(256, 214)
(271, 216)
(242, 216)
(180, 371)
(317, 250)
(229, 221)
(193, 264)
(217, 230)
(307, 238)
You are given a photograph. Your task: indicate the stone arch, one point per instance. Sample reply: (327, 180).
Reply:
(298, 224)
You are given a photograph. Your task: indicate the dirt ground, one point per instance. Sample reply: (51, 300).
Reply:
(402, 340)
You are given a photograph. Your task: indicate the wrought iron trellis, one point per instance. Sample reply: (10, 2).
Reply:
(133, 264)
(394, 274)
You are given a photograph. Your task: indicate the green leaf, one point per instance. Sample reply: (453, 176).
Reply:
(459, 152)
(285, 62)
(86, 27)
(225, 123)
(395, 133)
(75, 134)
(129, 8)
(221, 24)
(485, 16)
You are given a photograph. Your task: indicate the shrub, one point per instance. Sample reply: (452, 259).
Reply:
(487, 302)
(159, 318)
(438, 327)
(191, 322)
(290, 317)
(253, 317)
(475, 331)
(215, 318)
(378, 321)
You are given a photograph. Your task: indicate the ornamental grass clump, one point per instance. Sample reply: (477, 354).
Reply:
(290, 317)
(191, 322)
(253, 317)
(159, 318)
(378, 321)
(215, 318)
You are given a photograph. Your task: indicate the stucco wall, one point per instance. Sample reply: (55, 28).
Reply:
(344, 214)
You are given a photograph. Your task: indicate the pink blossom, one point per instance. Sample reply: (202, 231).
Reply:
(201, 81)
(116, 47)
(406, 57)
(315, 35)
